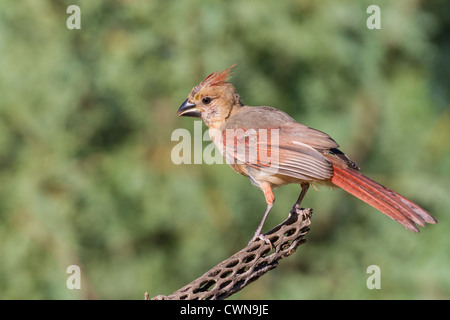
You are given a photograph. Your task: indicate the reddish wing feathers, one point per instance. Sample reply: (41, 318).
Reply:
(297, 132)
(387, 201)
(266, 150)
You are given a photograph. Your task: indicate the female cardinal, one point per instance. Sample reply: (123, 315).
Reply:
(272, 149)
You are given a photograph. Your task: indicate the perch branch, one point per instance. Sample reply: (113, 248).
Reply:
(247, 265)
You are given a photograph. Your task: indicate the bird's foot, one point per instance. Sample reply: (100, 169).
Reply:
(259, 236)
(301, 212)
(296, 209)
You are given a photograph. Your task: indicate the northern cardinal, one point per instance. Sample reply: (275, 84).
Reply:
(285, 151)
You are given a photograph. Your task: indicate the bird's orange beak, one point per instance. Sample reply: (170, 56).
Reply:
(188, 109)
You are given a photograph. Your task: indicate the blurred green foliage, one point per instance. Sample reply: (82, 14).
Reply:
(86, 118)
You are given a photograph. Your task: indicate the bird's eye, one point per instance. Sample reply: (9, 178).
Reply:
(206, 100)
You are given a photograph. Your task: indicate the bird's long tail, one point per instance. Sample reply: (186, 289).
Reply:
(387, 201)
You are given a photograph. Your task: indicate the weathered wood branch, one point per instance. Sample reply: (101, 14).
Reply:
(247, 265)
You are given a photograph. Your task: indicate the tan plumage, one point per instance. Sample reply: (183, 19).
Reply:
(299, 154)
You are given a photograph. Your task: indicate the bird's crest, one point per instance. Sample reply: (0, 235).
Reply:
(217, 78)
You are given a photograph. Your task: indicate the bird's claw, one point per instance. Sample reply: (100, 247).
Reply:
(296, 209)
(266, 240)
(263, 238)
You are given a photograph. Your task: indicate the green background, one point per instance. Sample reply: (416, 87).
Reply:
(86, 118)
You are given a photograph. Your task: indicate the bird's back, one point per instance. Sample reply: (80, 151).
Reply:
(246, 117)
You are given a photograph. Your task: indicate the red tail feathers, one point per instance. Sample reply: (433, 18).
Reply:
(387, 201)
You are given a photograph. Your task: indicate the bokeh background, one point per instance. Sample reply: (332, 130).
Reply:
(86, 118)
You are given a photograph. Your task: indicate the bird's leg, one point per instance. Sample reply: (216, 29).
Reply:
(270, 198)
(258, 234)
(297, 208)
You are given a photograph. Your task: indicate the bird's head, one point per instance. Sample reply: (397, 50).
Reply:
(212, 100)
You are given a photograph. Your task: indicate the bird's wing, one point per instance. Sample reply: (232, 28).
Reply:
(300, 133)
(282, 150)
